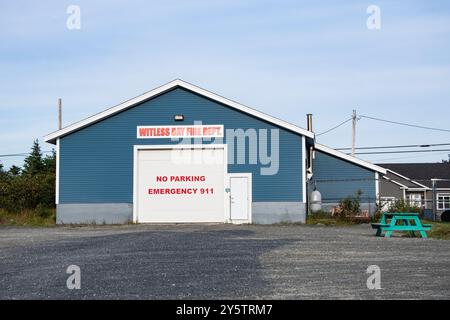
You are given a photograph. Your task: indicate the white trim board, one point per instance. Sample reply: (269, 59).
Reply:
(349, 158)
(50, 138)
(405, 187)
(58, 143)
(303, 158)
(395, 182)
(406, 178)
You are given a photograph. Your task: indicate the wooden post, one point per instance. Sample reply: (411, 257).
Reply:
(353, 132)
(59, 114)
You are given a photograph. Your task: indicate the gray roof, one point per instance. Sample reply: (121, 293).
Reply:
(422, 172)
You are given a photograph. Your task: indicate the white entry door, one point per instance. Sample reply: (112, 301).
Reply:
(240, 198)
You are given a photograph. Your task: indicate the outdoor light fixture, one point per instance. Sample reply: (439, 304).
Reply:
(178, 117)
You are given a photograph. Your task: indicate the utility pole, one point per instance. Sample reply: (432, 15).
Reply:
(354, 119)
(59, 114)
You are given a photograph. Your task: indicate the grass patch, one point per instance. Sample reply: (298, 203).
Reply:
(439, 230)
(283, 224)
(324, 218)
(40, 217)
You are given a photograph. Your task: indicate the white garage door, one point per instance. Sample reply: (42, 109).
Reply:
(180, 185)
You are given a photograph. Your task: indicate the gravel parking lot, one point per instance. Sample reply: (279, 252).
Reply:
(219, 262)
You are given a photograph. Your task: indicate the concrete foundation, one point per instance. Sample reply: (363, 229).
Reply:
(98, 213)
(119, 213)
(275, 212)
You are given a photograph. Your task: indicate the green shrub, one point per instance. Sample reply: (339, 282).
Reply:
(320, 214)
(43, 212)
(403, 206)
(376, 217)
(350, 206)
(31, 188)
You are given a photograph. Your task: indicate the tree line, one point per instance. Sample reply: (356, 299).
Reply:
(31, 186)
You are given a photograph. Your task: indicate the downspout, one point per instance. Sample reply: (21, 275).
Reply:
(309, 169)
(310, 158)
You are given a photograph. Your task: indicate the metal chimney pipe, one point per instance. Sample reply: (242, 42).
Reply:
(309, 124)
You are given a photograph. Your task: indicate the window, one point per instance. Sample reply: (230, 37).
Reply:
(415, 199)
(443, 201)
(386, 202)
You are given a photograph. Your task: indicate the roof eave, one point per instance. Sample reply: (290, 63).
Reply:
(51, 138)
(407, 179)
(349, 158)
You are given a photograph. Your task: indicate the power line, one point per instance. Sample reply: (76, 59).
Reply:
(404, 151)
(20, 154)
(408, 157)
(335, 127)
(399, 146)
(405, 124)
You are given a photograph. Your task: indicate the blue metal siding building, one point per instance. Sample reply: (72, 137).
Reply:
(337, 179)
(95, 161)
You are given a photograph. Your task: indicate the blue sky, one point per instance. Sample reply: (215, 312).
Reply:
(286, 58)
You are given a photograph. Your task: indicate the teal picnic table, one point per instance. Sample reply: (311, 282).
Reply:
(401, 221)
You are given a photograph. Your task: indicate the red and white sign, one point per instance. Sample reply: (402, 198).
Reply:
(193, 131)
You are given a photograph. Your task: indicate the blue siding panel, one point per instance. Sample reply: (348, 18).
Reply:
(337, 179)
(96, 163)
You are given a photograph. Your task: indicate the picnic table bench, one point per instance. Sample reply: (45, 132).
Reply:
(409, 222)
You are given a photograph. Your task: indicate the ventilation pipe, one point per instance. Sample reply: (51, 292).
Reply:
(309, 125)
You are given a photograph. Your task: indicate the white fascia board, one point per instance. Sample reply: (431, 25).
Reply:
(395, 182)
(245, 109)
(57, 171)
(406, 187)
(349, 158)
(108, 112)
(407, 179)
(166, 87)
